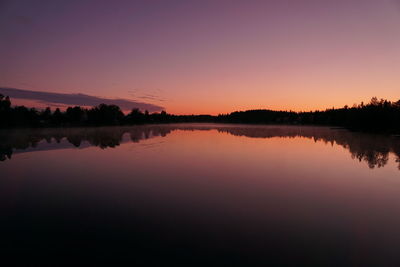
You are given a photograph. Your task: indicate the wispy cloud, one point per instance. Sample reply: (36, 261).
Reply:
(153, 96)
(76, 99)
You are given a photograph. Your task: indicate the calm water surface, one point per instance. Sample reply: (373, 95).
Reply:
(203, 194)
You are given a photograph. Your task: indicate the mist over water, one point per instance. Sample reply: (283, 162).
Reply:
(201, 194)
(374, 149)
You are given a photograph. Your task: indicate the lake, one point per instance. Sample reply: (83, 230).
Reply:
(200, 194)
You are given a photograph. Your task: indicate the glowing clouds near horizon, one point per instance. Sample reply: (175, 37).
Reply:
(206, 56)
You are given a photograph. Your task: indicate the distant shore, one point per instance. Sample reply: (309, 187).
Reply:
(377, 116)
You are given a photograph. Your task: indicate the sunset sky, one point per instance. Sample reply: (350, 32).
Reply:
(205, 56)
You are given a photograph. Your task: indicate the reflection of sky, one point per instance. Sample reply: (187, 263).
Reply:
(375, 150)
(209, 188)
(205, 56)
(226, 168)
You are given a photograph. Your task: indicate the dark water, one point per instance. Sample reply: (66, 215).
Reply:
(186, 195)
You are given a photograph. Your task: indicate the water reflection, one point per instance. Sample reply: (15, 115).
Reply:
(211, 194)
(373, 149)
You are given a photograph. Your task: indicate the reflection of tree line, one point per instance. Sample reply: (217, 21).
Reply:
(101, 137)
(371, 148)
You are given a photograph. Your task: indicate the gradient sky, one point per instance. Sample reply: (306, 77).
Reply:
(205, 56)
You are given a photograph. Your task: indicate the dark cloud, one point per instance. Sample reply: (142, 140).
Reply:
(76, 99)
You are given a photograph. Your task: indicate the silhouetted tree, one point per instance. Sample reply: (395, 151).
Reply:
(57, 118)
(378, 115)
(135, 117)
(45, 115)
(5, 109)
(75, 115)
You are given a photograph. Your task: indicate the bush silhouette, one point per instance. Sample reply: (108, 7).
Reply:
(378, 115)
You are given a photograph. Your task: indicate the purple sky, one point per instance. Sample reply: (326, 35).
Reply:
(205, 56)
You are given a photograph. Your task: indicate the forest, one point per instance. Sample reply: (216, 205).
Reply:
(379, 115)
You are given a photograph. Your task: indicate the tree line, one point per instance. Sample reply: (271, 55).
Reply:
(377, 115)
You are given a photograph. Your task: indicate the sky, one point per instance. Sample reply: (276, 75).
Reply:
(205, 57)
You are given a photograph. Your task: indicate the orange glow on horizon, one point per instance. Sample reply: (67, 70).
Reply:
(184, 108)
